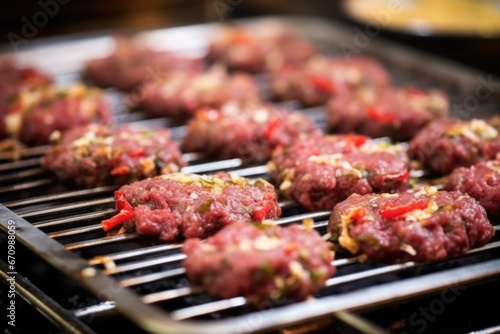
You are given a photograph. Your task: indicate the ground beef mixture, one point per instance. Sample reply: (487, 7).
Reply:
(481, 181)
(398, 113)
(444, 145)
(15, 79)
(178, 205)
(323, 170)
(314, 82)
(249, 131)
(95, 155)
(35, 114)
(260, 261)
(181, 93)
(428, 225)
(262, 47)
(132, 65)
(15, 83)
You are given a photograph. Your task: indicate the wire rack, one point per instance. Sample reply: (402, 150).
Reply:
(144, 281)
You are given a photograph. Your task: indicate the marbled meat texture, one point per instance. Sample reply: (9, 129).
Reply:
(263, 47)
(481, 181)
(444, 145)
(176, 206)
(323, 170)
(398, 113)
(249, 131)
(260, 262)
(35, 114)
(314, 82)
(182, 93)
(428, 225)
(96, 155)
(132, 65)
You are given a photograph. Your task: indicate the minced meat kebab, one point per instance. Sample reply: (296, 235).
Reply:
(398, 113)
(260, 261)
(314, 82)
(179, 205)
(16, 84)
(33, 115)
(323, 170)
(481, 181)
(132, 64)
(95, 154)
(246, 130)
(444, 145)
(181, 93)
(428, 225)
(264, 46)
(15, 79)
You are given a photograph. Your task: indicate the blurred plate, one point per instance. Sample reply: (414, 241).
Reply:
(460, 18)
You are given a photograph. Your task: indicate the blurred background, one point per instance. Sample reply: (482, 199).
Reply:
(466, 31)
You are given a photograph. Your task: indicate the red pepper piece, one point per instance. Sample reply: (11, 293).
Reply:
(377, 115)
(126, 212)
(28, 73)
(271, 128)
(388, 210)
(209, 114)
(321, 83)
(290, 247)
(260, 214)
(242, 38)
(356, 140)
(31, 75)
(120, 170)
(357, 213)
(16, 106)
(139, 152)
(399, 177)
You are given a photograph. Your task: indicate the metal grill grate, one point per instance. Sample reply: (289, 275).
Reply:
(145, 282)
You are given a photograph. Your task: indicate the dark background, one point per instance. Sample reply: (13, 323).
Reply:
(74, 16)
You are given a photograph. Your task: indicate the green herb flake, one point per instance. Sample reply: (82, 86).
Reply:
(303, 254)
(205, 206)
(62, 94)
(207, 180)
(316, 275)
(267, 270)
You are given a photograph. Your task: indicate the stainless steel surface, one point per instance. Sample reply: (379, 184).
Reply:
(144, 281)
